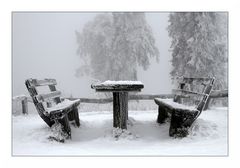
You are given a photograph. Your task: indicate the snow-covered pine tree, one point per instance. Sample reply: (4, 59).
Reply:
(199, 45)
(112, 46)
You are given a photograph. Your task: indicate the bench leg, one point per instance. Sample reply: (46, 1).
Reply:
(73, 115)
(65, 126)
(162, 115)
(176, 127)
(181, 120)
(76, 116)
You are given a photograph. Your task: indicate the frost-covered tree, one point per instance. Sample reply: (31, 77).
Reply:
(95, 46)
(113, 45)
(199, 45)
(133, 44)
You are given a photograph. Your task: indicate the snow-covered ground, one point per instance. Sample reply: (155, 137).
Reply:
(208, 136)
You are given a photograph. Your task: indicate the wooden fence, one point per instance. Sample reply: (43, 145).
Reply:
(24, 102)
(25, 99)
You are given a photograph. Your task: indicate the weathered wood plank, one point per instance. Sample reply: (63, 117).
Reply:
(205, 99)
(195, 79)
(93, 100)
(120, 107)
(56, 113)
(43, 82)
(180, 122)
(219, 93)
(24, 102)
(130, 97)
(39, 106)
(119, 90)
(149, 96)
(44, 97)
(162, 114)
(25, 106)
(66, 129)
(53, 88)
(187, 92)
(115, 86)
(214, 94)
(76, 116)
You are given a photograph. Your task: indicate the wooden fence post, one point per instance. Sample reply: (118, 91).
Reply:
(24, 105)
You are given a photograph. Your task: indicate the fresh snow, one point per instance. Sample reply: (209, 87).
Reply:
(110, 83)
(174, 104)
(62, 105)
(96, 136)
(19, 97)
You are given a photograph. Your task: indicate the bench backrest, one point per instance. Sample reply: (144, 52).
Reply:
(194, 88)
(39, 99)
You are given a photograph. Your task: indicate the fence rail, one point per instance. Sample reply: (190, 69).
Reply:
(25, 99)
(130, 97)
(214, 94)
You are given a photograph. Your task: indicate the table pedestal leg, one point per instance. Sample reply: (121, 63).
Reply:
(120, 109)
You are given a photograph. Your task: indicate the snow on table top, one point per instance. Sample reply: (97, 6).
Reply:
(64, 104)
(118, 85)
(173, 104)
(109, 82)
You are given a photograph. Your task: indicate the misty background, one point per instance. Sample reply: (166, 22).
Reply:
(45, 46)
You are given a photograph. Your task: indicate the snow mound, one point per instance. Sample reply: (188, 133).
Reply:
(204, 129)
(123, 134)
(56, 133)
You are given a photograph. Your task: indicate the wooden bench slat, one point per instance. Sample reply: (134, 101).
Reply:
(43, 82)
(191, 79)
(44, 97)
(63, 108)
(64, 105)
(187, 92)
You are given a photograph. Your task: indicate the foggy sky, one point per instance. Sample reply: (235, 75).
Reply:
(44, 46)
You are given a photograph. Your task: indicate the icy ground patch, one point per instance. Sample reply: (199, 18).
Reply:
(144, 136)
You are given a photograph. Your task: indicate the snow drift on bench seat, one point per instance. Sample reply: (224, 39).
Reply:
(63, 105)
(173, 105)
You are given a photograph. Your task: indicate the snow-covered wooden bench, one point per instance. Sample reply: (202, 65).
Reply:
(182, 116)
(50, 106)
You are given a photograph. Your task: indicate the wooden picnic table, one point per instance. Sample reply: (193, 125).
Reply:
(120, 91)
